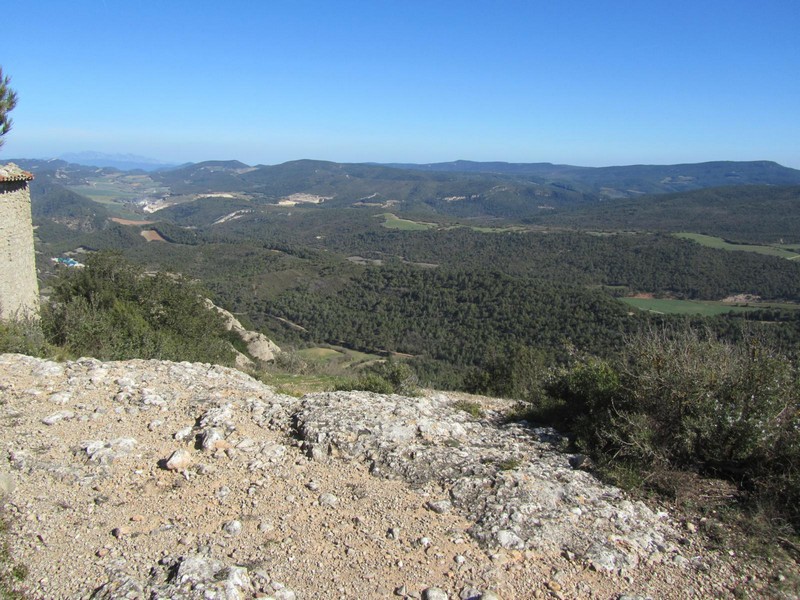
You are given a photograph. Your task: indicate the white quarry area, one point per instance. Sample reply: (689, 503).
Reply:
(295, 199)
(237, 214)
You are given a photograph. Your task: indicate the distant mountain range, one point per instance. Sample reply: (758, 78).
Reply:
(304, 175)
(460, 189)
(630, 180)
(123, 162)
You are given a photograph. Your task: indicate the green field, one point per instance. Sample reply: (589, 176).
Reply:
(686, 307)
(392, 221)
(328, 366)
(345, 357)
(507, 229)
(788, 252)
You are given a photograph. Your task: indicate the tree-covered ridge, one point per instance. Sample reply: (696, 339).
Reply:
(432, 294)
(632, 179)
(651, 263)
(456, 317)
(455, 190)
(759, 213)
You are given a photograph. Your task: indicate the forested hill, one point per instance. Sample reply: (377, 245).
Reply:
(624, 181)
(375, 258)
(757, 213)
(460, 188)
(462, 179)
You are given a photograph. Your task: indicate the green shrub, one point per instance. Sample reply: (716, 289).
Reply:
(368, 382)
(685, 400)
(509, 464)
(519, 375)
(112, 310)
(471, 408)
(290, 361)
(23, 337)
(387, 377)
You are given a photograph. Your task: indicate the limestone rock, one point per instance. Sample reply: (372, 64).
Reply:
(258, 345)
(335, 493)
(179, 460)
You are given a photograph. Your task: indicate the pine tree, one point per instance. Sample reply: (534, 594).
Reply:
(8, 100)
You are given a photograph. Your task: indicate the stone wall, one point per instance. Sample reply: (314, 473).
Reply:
(19, 289)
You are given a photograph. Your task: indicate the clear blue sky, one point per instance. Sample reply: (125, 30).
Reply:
(589, 82)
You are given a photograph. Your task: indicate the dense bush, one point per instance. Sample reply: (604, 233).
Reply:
(683, 400)
(23, 337)
(386, 377)
(112, 310)
(517, 375)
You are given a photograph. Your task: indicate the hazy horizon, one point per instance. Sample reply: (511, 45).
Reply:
(75, 157)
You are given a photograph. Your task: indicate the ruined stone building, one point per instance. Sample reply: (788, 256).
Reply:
(19, 290)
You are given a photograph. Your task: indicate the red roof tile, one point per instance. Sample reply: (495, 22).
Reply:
(12, 172)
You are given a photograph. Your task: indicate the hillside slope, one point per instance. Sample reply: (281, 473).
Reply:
(178, 480)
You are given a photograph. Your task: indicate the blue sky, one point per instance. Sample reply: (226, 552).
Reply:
(589, 82)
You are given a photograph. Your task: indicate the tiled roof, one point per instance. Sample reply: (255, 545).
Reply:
(12, 172)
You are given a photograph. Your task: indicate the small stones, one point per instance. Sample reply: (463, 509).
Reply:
(273, 452)
(223, 492)
(179, 460)
(266, 526)
(196, 569)
(470, 593)
(7, 484)
(509, 540)
(183, 434)
(319, 453)
(328, 499)
(107, 452)
(601, 559)
(580, 461)
(440, 506)
(121, 531)
(213, 439)
(62, 415)
(60, 397)
(434, 593)
(232, 528)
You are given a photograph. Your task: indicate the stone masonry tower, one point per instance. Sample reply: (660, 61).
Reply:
(19, 290)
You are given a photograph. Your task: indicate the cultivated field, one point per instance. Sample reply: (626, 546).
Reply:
(789, 252)
(392, 221)
(686, 307)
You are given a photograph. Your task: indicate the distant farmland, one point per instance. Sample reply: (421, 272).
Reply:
(789, 252)
(686, 307)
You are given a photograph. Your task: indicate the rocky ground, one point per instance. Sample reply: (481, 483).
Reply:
(147, 479)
